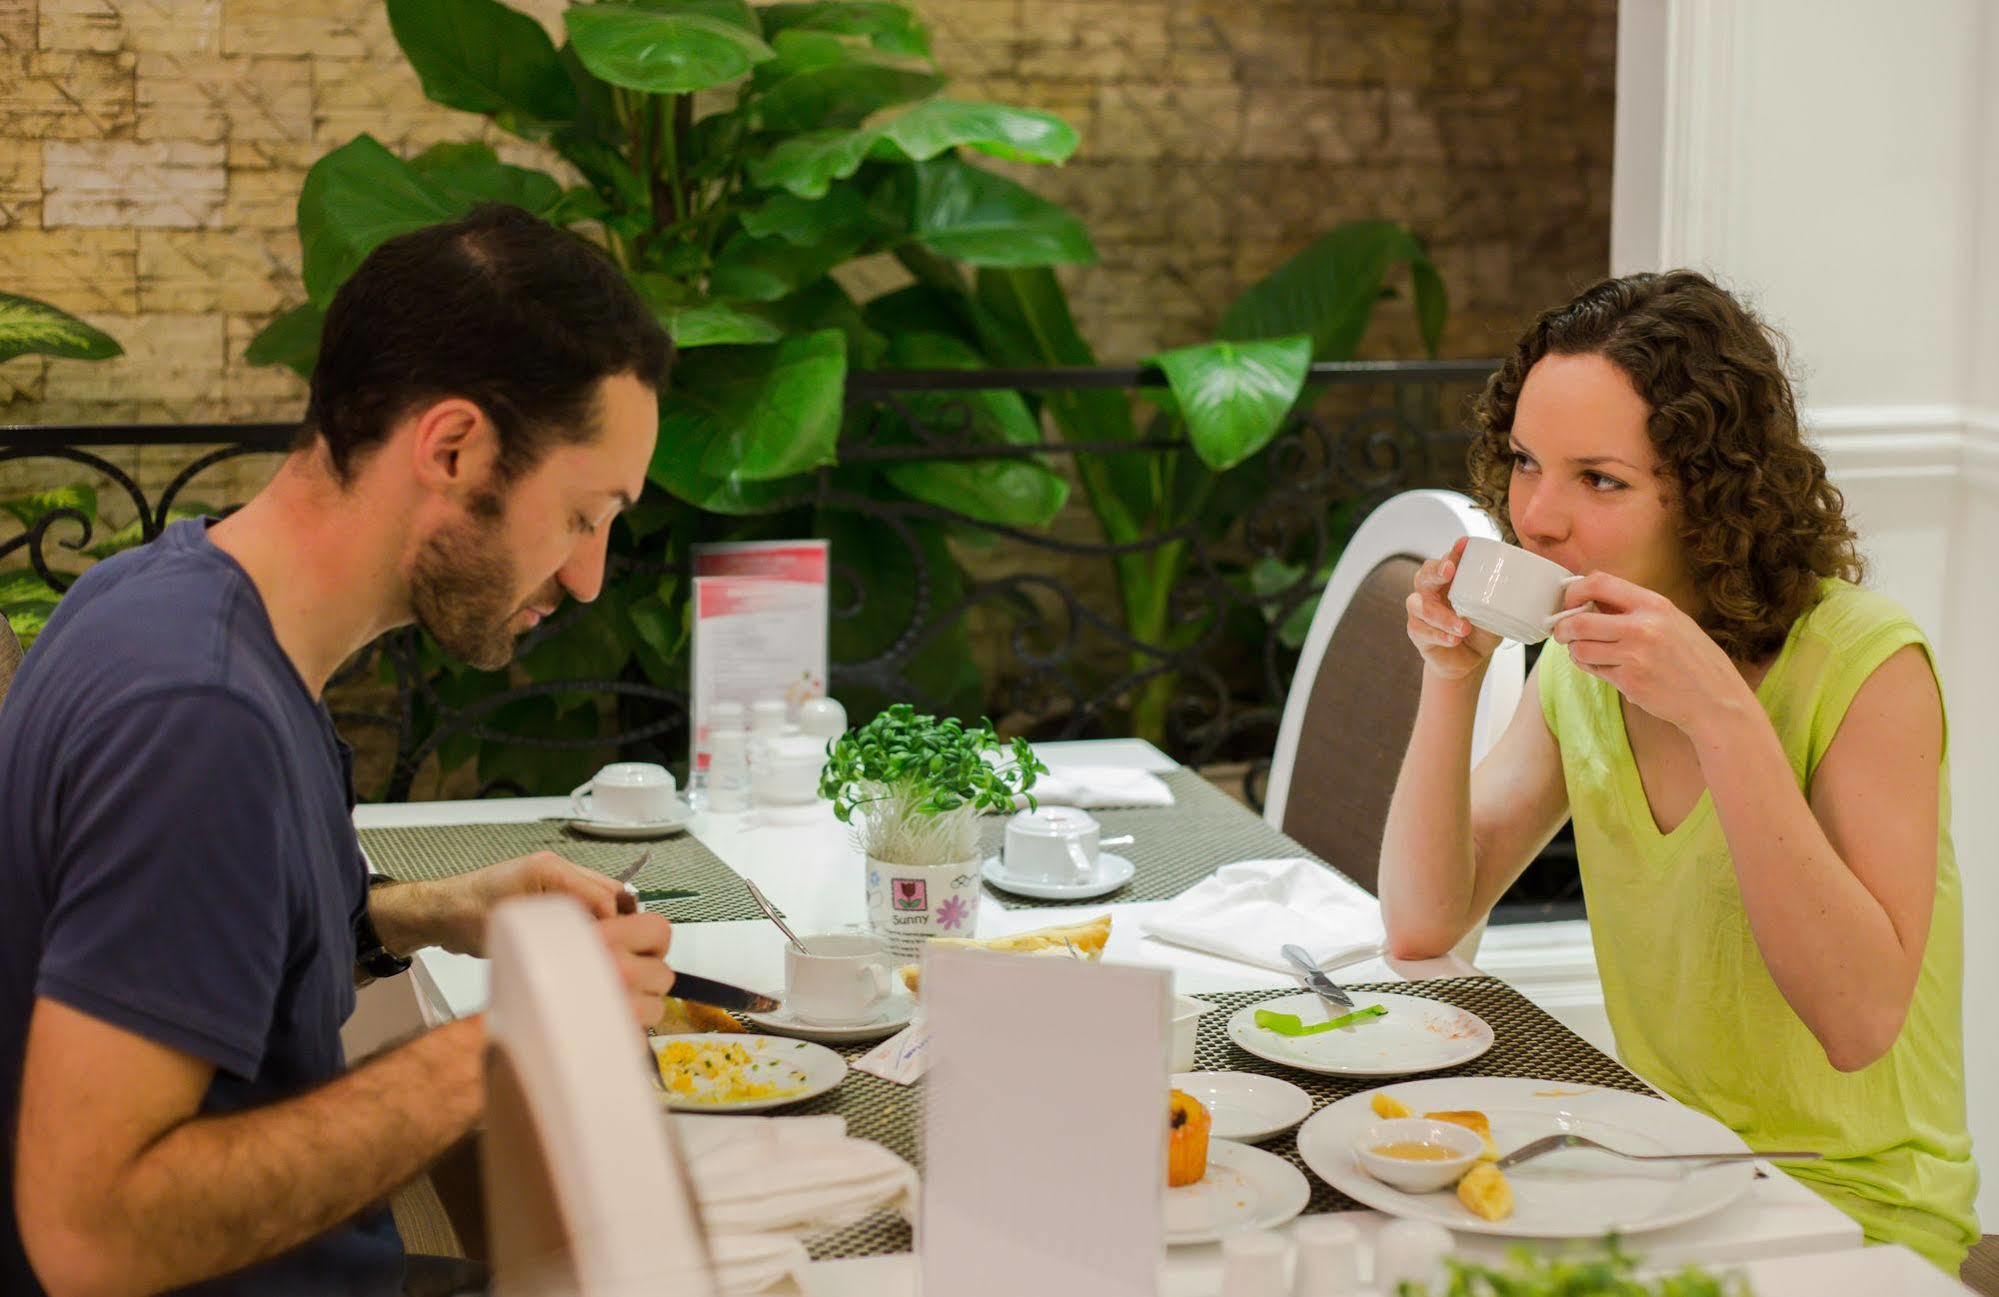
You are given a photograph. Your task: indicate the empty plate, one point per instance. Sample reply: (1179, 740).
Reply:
(1245, 1106)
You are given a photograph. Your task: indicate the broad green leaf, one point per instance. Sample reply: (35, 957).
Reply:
(823, 304)
(728, 11)
(808, 163)
(714, 324)
(818, 82)
(763, 270)
(1235, 395)
(291, 340)
(355, 199)
(32, 508)
(939, 125)
(22, 586)
(842, 213)
(27, 620)
(473, 174)
(1270, 577)
(662, 53)
(484, 57)
(593, 647)
(919, 308)
(890, 27)
(29, 327)
(1329, 290)
(542, 771)
(986, 220)
(738, 420)
(1018, 492)
(134, 533)
(659, 618)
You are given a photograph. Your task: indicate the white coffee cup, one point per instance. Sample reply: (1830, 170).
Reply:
(839, 978)
(628, 792)
(1052, 844)
(1505, 589)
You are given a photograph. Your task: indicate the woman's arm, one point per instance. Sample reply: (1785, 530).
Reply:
(1457, 838)
(1838, 890)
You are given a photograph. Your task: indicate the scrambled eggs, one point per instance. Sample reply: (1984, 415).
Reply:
(712, 1072)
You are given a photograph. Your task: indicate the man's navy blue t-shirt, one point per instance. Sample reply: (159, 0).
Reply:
(178, 859)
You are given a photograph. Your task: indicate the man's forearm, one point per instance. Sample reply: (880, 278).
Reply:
(410, 916)
(220, 1193)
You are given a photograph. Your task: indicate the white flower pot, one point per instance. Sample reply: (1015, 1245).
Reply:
(909, 904)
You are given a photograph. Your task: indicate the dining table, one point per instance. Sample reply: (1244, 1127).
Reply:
(809, 866)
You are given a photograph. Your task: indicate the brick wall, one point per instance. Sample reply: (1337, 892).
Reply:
(151, 152)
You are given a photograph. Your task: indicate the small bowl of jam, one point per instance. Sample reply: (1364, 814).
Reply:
(1416, 1154)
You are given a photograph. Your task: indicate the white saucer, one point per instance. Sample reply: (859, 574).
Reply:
(894, 1016)
(1245, 1188)
(1245, 1106)
(1113, 872)
(631, 829)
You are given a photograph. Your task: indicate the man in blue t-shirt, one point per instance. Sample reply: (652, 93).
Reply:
(182, 899)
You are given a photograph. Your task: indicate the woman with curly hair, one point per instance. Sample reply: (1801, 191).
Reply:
(1751, 746)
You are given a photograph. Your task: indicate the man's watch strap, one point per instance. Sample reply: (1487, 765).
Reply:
(371, 956)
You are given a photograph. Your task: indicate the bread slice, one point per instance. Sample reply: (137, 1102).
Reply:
(1477, 1124)
(1087, 939)
(1387, 1107)
(683, 1016)
(1485, 1191)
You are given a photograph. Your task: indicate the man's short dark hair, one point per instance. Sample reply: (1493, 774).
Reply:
(498, 307)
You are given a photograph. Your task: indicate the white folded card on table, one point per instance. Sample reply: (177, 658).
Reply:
(1044, 1126)
(1248, 911)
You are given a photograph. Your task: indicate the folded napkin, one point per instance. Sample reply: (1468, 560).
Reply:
(1095, 787)
(1247, 911)
(767, 1183)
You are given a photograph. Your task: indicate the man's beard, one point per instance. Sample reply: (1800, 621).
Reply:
(461, 590)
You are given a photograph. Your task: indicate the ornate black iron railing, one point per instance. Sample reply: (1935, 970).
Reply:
(1062, 660)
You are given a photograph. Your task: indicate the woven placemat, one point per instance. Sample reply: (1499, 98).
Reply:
(1177, 846)
(1527, 1043)
(679, 863)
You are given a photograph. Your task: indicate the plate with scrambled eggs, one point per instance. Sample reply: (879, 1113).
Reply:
(732, 1072)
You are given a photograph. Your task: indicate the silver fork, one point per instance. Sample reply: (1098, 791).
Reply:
(1553, 1143)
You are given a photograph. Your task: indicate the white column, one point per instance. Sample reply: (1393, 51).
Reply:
(1837, 163)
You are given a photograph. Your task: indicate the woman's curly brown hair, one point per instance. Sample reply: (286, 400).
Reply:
(1759, 521)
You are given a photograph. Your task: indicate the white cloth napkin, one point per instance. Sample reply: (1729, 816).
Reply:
(1247, 911)
(1099, 786)
(767, 1183)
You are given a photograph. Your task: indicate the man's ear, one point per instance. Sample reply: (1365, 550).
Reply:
(454, 449)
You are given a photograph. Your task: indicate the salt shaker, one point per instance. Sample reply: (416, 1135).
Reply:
(1328, 1258)
(1411, 1251)
(1253, 1264)
(767, 717)
(728, 770)
(723, 714)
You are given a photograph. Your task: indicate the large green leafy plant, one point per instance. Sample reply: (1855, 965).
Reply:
(730, 157)
(32, 328)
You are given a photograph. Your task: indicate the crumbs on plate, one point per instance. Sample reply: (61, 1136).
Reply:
(713, 1072)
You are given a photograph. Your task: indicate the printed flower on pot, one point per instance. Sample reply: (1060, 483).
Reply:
(953, 913)
(913, 786)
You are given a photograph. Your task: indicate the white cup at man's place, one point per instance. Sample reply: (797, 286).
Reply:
(840, 978)
(627, 792)
(1506, 590)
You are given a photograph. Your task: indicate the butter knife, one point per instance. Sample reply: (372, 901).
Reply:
(1315, 980)
(721, 995)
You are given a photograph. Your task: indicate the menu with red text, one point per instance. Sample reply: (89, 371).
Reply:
(759, 627)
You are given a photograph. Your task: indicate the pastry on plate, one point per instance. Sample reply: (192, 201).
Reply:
(1187, 1126)
(1086, 939)
(1476, 1123)
(1387, 1107)
(1485, 1191)
(683, 1016)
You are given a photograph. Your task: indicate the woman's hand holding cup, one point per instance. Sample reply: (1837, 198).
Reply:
(1452, 647)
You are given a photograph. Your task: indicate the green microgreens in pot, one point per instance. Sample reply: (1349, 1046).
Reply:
(914, 786)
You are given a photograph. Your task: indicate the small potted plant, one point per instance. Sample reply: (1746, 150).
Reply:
(913, 787)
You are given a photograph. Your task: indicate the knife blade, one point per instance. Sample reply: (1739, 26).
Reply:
(1315, 979)
(720, 995)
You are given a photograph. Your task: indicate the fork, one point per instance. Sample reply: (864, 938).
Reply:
(628, 902)
(1553, 1143)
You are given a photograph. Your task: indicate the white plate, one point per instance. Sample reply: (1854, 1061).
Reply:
(894, 1016)
(1246, 1106)
(1245, 1188)
(803, 1068)
(635, 829)
(1113, 872)
(1415, 1035)
(1571, 1194)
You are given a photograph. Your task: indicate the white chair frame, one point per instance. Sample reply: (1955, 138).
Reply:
(1419, 525)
